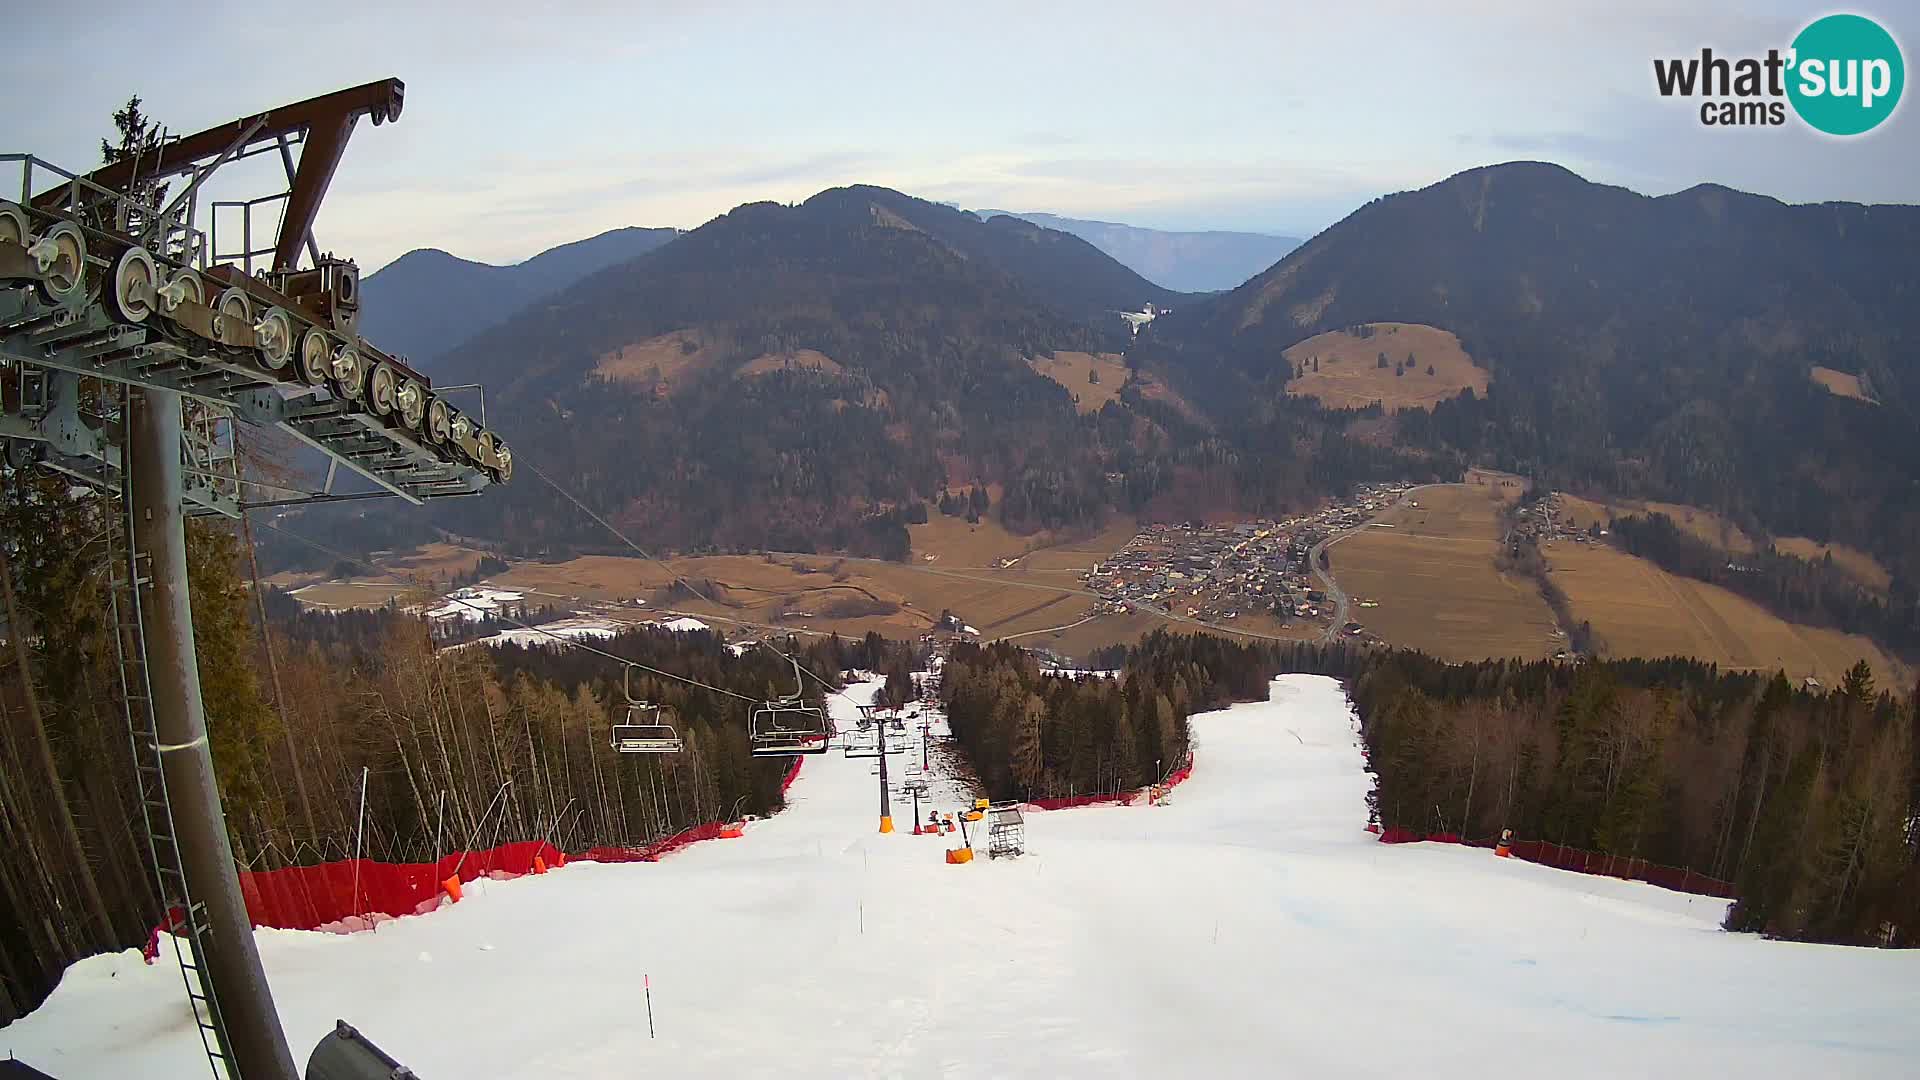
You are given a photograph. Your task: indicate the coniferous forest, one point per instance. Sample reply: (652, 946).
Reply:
(437, 736)
(1808, 800)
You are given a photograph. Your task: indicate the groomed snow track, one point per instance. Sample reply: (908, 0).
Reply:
(1248, 929)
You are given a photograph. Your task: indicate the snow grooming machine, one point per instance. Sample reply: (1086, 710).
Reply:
(649, 728)
(788, 725)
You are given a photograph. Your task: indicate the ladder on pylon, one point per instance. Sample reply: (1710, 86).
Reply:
(130, 571)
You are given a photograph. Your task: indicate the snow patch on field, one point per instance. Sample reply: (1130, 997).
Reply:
(1249, 929)
(578, 629)
(475, 604)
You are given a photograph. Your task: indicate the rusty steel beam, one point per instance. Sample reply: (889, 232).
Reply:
(319, 156)
(324, 124)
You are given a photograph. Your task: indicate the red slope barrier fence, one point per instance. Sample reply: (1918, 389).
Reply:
(1125, 798)
(351, 894)
(1581, 861)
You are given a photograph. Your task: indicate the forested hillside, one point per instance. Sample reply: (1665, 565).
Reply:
(1643, 346)
(427, 302)
(803, 378)
(439, 733)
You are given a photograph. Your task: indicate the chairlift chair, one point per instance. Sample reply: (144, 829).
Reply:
(787, 726)
(648, 729)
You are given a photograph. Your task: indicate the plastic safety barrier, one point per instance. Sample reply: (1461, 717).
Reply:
(354, 894)
(1125, 798)
(1581, 861)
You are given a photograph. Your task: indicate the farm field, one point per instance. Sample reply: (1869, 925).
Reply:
(1702, 523)
(829, 593)
(1841, 384)
(1073, 370)
(342, 595)
(1350, 375)
(1039, 598)
(1718, 531)
(1429, 568)
(1853, 562)
(1640, 610)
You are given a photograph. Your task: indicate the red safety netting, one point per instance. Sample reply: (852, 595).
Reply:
(353, 894)
(1559, 856)
(1125, 798)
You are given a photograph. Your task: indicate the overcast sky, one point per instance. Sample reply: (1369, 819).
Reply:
(526, 130)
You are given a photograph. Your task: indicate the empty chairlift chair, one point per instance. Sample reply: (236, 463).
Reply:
(648, 728)
(873, 737)
(788, 725)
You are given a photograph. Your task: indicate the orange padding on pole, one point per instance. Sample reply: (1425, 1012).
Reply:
(451, 887)
(539, 865)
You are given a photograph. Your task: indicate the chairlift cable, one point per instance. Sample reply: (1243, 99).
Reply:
(677, 576)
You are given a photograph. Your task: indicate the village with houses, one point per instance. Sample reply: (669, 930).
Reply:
(1216, 573)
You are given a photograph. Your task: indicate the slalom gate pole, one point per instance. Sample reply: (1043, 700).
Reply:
(647, 981)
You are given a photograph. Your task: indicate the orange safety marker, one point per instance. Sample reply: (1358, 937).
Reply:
(451, 887)
(539, 865)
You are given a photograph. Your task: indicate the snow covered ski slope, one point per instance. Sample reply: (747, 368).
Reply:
(1248, 929)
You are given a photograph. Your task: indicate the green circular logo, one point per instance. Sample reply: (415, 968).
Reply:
(1846, 74)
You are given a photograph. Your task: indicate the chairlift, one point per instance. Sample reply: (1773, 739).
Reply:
(787, 726)
(648, 729)
(877, 741)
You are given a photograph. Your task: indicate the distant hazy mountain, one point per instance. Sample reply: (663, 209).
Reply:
(426, 302)
(1182, 261)
(1056, 266)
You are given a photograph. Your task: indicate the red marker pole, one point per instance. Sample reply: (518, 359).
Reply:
(647, 981)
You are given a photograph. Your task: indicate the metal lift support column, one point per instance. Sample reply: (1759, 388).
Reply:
(886, 808)
(258, 1043)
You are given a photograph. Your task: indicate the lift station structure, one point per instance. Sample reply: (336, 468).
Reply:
(134, 347)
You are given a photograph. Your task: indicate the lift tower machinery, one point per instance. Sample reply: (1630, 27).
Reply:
(133, 346)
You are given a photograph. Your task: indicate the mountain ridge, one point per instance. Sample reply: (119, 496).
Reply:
(429, 300)
(1195, 261)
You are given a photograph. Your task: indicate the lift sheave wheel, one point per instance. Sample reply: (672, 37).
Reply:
(61, 254)
(182, 287)
(233, 310)
(380, 389)
(135, 276)
(349, 372)
(439, 422)
(315, 357)
(273, 336)
(13, 224)
(411, 402)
